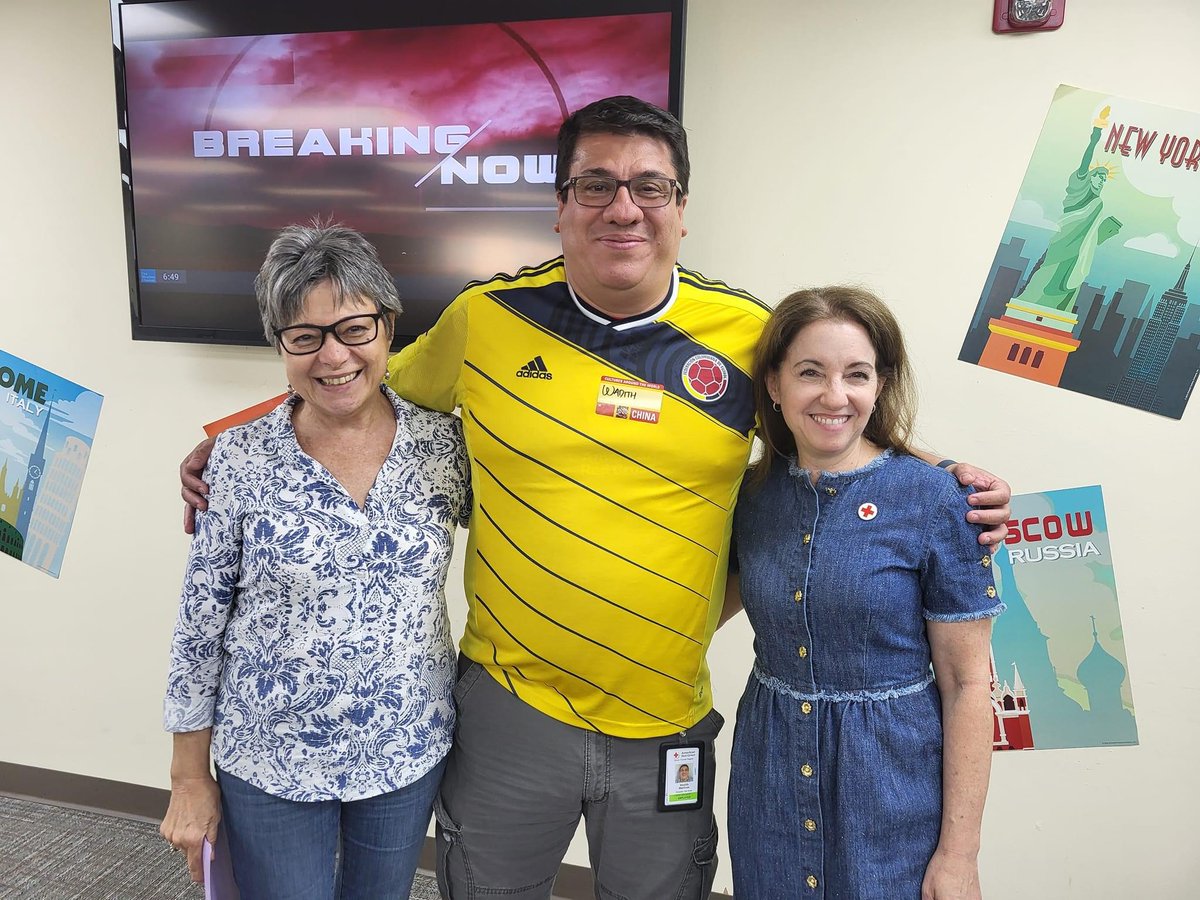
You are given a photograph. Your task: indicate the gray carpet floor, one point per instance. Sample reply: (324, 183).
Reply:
(61, 853)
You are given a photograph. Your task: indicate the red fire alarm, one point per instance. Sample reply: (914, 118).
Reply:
(1027, 15)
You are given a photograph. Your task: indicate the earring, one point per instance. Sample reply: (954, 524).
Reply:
(775, 406)
(291, 390)
(387, 374)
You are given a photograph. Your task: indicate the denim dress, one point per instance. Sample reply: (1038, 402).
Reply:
(836, 778)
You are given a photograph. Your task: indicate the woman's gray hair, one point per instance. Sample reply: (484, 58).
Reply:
(303, 256)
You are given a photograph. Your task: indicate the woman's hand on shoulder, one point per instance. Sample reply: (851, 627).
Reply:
(193, 814)
(951, 876)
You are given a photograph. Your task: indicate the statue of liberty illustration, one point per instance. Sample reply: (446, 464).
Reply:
(1056, 278)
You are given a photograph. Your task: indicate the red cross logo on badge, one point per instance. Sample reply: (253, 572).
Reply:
(868, 511)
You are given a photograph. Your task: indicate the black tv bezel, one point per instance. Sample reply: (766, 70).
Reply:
(229, 18)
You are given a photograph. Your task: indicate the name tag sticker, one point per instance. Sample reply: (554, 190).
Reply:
(637, 401)
(681, 776)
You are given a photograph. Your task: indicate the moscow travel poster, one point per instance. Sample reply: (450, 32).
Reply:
(1060, 677)
(1089, 289)
(47, 424)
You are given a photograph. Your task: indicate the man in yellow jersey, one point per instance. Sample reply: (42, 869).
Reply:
(608, 412)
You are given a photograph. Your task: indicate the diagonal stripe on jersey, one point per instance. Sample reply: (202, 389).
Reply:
(595, 493)
(678, 725)
(530, 407)
(583, 590)
(700, 597)
(516, 596)
(512, 688)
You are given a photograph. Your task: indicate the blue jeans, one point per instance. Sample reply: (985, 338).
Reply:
(287, 849)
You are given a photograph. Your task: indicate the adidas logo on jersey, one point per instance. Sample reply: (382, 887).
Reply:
(535, 368)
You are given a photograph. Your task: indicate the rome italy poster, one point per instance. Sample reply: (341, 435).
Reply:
(47, 424)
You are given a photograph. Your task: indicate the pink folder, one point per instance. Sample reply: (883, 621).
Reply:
(218, 870)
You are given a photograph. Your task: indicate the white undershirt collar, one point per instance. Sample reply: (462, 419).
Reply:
(645, 318)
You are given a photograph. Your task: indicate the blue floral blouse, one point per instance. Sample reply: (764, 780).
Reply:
(312, 635)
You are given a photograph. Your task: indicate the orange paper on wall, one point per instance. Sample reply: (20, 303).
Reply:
(241, 417)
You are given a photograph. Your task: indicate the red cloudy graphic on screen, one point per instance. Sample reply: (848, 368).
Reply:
(231, 138)
(517, 78)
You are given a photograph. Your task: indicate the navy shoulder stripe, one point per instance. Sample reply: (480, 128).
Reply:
(656, 352)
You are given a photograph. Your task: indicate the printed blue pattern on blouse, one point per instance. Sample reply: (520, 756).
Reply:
(312, 635)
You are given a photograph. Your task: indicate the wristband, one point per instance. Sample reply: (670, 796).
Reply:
(946, 464)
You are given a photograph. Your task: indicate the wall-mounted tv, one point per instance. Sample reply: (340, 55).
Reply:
(428, 127)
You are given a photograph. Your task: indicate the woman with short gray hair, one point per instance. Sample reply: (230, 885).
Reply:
(312, 655)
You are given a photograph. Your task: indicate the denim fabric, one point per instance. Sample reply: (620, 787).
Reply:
(835, 787)
(289, 850)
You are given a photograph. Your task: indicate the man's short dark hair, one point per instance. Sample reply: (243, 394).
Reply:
(623, 115)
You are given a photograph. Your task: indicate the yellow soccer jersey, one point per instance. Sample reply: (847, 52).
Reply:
(605, 461)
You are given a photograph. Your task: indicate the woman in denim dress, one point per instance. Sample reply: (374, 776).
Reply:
(856, 775)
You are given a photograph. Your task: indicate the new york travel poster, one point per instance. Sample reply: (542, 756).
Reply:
(1060, 677)
(1089, 289)
(47, 424)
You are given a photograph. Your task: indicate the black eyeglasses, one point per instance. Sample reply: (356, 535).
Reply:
(646, 191)
(300, 340)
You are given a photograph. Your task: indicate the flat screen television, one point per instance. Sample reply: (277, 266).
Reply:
(428, 127)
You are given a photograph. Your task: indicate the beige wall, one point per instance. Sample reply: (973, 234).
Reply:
(881, 142)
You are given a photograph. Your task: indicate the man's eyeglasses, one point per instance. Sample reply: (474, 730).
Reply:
(300, 340)
(646, 191)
